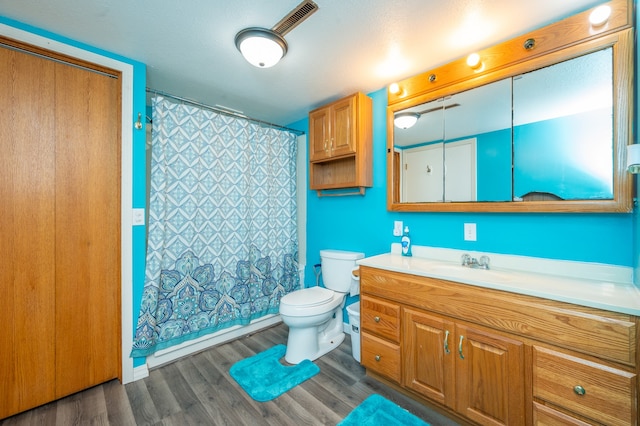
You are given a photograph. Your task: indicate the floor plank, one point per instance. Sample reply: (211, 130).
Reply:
(199, 390)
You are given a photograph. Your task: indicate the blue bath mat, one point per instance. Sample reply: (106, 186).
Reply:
(264, 378)
(376, 410)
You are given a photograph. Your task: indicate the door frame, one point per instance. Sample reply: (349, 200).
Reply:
(126, 180)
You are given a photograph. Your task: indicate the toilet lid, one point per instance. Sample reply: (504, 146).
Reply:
(312, 296)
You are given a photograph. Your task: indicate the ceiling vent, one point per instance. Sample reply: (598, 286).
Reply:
(295, 17)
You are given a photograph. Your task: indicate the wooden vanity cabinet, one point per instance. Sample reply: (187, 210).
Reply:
(340, 140)
(491, 357)
(469, 369)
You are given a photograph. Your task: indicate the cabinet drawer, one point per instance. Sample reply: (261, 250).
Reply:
(545, 416)
(609, 394)
(380, 317)
(381, 356)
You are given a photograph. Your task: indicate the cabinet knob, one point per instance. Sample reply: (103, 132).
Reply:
(378, 357)
(376, 319)
(579, 390)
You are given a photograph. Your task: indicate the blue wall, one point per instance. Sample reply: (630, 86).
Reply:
(362, 223)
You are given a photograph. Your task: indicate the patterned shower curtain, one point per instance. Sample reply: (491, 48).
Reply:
(222, 246)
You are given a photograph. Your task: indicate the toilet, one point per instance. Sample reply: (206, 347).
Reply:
(314, 315)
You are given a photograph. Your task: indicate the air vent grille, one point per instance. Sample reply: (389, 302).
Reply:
(295, 17)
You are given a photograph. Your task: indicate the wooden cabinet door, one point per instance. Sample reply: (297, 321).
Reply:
(319, 134)
(489, 377)
(429, 356)
(343, 138)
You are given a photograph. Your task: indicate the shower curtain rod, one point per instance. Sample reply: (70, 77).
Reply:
(223, 111)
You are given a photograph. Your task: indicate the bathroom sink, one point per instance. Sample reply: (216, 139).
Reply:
(476, 274)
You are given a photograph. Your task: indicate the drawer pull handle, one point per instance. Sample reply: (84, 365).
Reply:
(579, 390)
(378, 357)
(446, 342)
(460, 347)
(376, 319)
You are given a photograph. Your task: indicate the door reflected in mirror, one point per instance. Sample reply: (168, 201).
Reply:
(459, 149)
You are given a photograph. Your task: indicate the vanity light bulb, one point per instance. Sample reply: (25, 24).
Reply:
(473, 60)
(600, 15)
(394, 88)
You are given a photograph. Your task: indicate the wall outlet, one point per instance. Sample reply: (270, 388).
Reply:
(397, 228)
(470, 232)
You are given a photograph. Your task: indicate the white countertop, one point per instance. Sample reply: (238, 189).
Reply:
(600, 286)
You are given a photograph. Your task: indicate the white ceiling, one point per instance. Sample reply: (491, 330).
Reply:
(344, 47)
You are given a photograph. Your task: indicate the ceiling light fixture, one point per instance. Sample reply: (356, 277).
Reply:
(264, 48)
(261, 47)
(404, 120)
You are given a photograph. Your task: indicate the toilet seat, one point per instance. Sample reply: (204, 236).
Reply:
(310, 301)
(308, 297)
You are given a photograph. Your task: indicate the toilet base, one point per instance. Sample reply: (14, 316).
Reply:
(295, 354)
(313, 342)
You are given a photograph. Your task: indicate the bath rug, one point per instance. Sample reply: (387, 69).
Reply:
(376, 410)
(264, 378)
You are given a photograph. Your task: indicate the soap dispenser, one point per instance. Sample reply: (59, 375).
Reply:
(406, 242)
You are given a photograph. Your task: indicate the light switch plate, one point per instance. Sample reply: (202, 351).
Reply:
(397, 228)
(470, 232)
(137, 217)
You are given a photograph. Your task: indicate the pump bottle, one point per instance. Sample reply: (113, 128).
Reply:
(406, 242)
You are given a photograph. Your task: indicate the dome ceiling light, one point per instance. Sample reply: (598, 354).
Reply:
(407, 119)
(264, 48)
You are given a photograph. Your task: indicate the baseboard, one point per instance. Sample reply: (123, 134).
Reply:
(191, 347)
(140, 372)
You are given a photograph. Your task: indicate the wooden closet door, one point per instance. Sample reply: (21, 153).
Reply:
(87, 229)
(27, 232)
(60, 215)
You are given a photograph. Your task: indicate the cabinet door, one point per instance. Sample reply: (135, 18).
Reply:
(489, 377)
(429, 356)
(319, 134)
(343, 138)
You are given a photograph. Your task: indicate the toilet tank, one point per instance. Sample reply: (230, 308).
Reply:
(336, 268)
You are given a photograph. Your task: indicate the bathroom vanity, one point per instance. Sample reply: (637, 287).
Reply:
(504, 346)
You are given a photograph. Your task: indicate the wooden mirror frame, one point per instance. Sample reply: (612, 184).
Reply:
(563, 40)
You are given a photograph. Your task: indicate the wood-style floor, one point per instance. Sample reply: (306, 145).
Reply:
(199, 390)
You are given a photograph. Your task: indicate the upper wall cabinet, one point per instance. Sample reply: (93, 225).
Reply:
(340, 138)
(538, 124)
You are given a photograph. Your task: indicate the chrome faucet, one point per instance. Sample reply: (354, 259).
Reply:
(472, 262)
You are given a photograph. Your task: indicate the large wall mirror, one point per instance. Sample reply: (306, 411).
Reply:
(546, 134)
